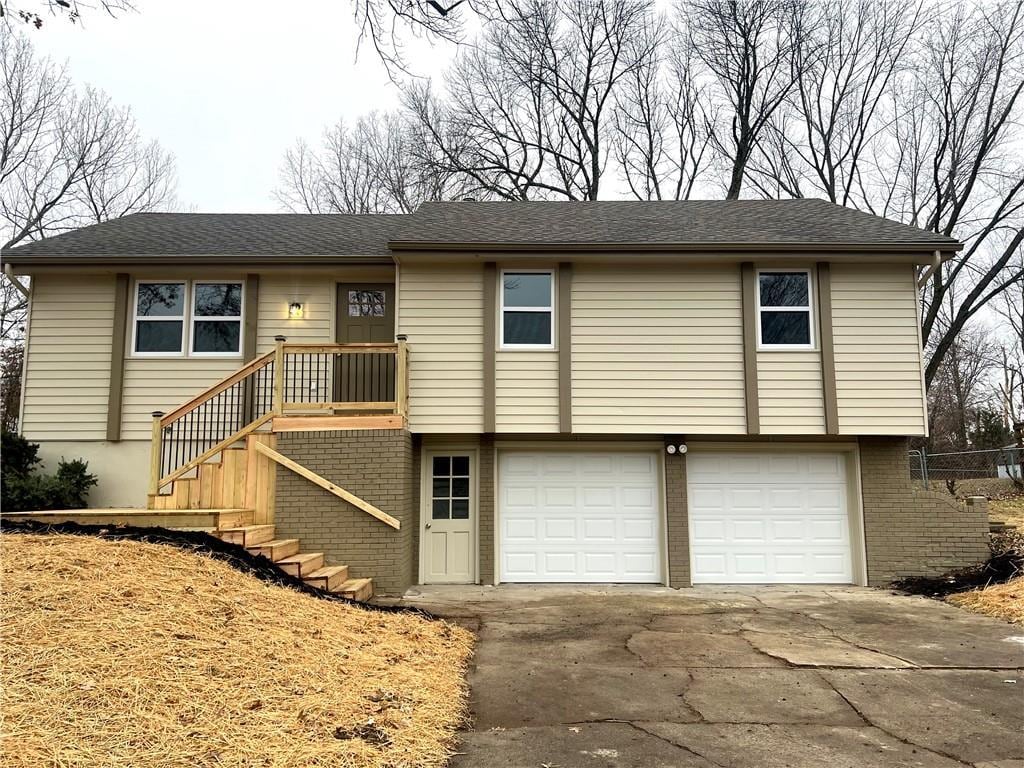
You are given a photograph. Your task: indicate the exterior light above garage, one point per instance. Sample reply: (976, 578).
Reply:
(670, 450)
(295, 311)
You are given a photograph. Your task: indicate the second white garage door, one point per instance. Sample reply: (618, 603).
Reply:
(579, 517)
(762, 518)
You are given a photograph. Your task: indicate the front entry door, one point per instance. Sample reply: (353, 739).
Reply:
(366, 313)
(448, 519)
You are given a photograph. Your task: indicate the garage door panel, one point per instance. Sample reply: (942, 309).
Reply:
(784, 520)
(590, 517)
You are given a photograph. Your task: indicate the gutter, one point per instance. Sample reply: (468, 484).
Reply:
(517, 247)
(9, 272)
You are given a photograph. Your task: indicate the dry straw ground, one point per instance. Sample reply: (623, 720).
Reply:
(134, 654)
(1004, 601)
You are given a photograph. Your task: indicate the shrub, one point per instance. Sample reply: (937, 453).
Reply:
(24, 489)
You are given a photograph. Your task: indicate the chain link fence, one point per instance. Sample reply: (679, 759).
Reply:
(953, 468)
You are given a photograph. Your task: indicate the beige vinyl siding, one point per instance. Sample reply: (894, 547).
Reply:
(526, 391)
(67, 370)
(877, 351)
(316, 293)
(657, 349)
(440, 309)
(164, 383)
(790, 393)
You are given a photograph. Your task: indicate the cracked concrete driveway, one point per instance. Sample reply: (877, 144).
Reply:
(758, 677)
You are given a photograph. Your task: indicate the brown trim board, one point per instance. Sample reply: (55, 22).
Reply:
(252, 309)
(828, 352)
(748, 284)
(563, 316)
(490, 341)
(115, 393)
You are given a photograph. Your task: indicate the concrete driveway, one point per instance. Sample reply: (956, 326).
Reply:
(759, 677)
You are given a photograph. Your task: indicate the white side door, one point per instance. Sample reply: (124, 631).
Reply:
(448, 518)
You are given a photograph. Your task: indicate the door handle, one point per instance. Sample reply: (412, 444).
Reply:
(428, 525)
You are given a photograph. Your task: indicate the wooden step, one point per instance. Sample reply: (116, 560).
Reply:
(302, 564)
(277, 549)
(330, 578)
(247, 535)
(356, 589)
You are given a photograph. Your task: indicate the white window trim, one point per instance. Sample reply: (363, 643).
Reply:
(193, 317)
(187, 319)
(808, 309)
(550, 309)
(136, 318)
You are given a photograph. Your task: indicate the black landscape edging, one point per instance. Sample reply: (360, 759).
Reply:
(235, 555)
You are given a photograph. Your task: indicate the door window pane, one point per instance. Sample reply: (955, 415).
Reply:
(450, 488)
(366, 304)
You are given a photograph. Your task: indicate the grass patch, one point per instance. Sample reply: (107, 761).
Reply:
(1009, 510)
(135, 653)
(1003, 601)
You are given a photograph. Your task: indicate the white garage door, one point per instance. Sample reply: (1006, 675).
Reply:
(761, 518)
(575, 517)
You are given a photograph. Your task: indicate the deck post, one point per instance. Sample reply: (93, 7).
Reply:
(156, 450)
(402, 377)
(278, 404)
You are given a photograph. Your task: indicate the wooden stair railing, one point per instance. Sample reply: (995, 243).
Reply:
(324, 379)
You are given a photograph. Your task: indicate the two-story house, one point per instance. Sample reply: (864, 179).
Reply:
(657, 392)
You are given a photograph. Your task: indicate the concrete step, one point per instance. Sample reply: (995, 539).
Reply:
(277, 549)
(247, 535)
(356, 589)
(329, 578)
(302, 564)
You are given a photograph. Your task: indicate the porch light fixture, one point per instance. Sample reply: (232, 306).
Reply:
(295, 311)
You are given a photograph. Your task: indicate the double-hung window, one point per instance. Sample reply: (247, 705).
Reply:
(527, 309)
(159, 318)
(784, 319)
(216, 318)
(203, 317)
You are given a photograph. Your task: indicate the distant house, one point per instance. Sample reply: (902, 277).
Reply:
(659, 392)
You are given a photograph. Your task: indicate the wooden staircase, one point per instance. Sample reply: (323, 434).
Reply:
(243, 480)
(308, 566)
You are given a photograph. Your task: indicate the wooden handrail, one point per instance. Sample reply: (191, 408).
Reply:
(361, 348)
(210, 453)
(217, 388)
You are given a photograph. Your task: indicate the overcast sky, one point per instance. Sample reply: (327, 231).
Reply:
(227, 86)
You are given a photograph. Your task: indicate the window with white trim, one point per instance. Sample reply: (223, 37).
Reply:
(527, 309)
(784, 319)
(166, 312)
(216, 318)
(159, 326)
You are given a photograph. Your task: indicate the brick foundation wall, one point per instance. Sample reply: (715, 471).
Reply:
(377, 466)
(910, 531)
(677, 519)
(485, 507)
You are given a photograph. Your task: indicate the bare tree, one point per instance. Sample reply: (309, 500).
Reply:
(748, 46)
(960, 391)
(956, 169)
(528, 112)
(844, 70)
(68, 158)
(664, 124)
(34, 12)
(369, 168)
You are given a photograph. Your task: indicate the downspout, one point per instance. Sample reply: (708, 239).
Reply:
(936, 261)
(9, 272)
